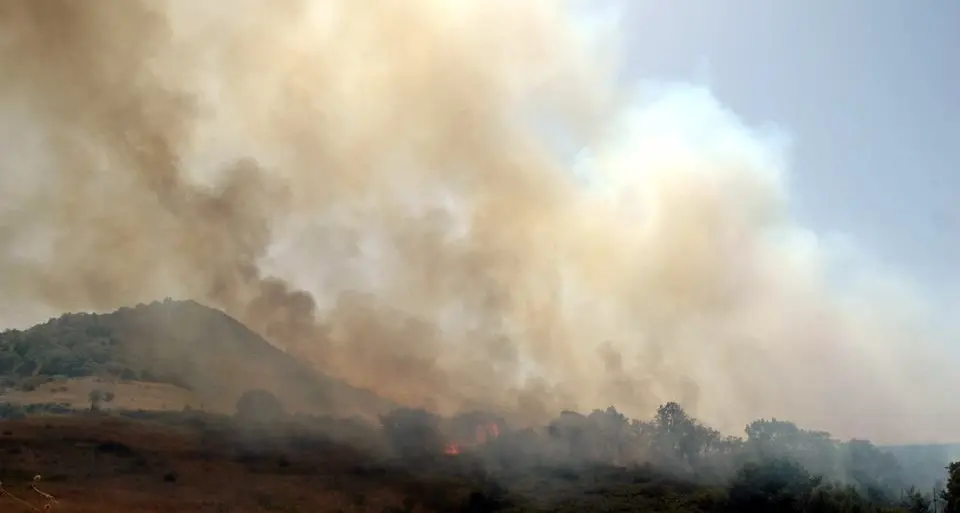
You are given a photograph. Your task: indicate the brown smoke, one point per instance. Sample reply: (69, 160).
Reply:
(400, 161)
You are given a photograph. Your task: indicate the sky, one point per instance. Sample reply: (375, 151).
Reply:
(869, 93)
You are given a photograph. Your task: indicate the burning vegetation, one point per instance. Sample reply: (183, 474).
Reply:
(484, 434)
(478, 460)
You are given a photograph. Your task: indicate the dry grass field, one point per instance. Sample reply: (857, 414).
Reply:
(127, 395)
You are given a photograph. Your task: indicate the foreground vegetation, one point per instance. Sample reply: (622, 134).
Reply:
(197, 461)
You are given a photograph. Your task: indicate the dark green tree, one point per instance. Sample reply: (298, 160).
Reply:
(951, 494)
(771, 486)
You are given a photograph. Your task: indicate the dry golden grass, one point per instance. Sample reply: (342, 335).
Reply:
(128, 395)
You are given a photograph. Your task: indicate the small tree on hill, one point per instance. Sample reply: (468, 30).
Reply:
(98, 397)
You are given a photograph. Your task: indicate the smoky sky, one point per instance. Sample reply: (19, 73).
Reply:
(454, 204)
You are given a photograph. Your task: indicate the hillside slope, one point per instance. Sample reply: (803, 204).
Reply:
(181, 343)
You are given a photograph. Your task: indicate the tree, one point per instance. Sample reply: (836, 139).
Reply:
(98, 397)
(777, 437)
(672, 425)
(679, 436)
(413, 433)
(259, 406)
(951, 495)
(916, 502)
(875, 471)
(611, 427)
(815, 450)
(773, 485)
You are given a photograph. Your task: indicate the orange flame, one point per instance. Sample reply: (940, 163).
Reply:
(485, 433)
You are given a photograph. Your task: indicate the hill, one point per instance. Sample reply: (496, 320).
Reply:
(181, 344)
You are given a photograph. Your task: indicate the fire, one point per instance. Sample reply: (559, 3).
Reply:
(485, 433)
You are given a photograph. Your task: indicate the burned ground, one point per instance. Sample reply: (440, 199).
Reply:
(115, 464)
(189, 462)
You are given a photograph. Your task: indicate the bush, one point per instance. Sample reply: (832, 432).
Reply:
(412, 433)
(9, 411)
(776, 485)
(259, 406)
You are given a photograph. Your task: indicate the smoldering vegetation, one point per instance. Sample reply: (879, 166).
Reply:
(262, 458)
(476, 461)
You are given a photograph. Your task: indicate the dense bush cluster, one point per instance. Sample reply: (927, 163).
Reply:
(776, 466)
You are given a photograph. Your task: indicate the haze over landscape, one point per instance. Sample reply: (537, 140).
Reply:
(456, 206)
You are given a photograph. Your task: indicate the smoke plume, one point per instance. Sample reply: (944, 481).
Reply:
(453, 204)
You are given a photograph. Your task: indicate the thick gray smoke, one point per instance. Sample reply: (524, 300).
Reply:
(454, 204)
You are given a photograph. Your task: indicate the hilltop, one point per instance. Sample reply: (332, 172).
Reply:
(185, 353)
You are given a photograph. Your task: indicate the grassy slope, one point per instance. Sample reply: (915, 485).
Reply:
(180, 343)
(74, 393)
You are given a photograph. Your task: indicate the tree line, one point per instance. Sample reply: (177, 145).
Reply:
(776, 466)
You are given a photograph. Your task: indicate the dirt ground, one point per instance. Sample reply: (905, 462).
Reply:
(99, 464)
(184, 462)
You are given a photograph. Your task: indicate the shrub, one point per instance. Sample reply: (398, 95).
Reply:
(259, 406)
